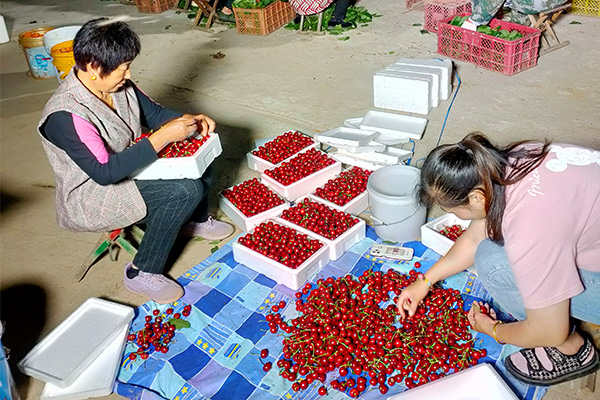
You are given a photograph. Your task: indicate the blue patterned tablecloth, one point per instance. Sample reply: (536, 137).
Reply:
(218, 356)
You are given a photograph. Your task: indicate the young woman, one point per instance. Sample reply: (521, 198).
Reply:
(534, 239)
(88, 130)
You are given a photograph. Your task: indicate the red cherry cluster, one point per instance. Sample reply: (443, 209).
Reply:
(301, 166)
(345, 187)
(282, 244)
(157, 334)
(283, 146)
(319, 218)
(452, 232)
(183, 148)
(349, 325)
(252, 197)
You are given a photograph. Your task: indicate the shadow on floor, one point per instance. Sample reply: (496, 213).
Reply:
(23, 310)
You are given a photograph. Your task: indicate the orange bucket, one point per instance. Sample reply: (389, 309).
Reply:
(62, 58)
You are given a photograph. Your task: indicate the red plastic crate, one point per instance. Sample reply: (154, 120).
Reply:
(438, 10)
(507, 57)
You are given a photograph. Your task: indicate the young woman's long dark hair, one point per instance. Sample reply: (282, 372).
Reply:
(452, 171)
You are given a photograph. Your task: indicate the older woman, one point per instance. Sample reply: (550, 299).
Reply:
(88, 130)
(534, 241)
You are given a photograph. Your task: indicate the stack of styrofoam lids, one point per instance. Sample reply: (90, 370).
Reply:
(413, 86)
(80, 357)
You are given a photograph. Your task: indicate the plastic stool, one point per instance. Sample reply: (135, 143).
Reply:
(108, 242)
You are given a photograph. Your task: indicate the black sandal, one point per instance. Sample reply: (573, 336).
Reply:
(544, 366)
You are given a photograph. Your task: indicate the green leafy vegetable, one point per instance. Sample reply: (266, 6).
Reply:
(179, 323)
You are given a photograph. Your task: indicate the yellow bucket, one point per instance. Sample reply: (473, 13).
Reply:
(38, 60)
(62, 58)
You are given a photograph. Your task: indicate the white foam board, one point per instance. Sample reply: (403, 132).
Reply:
(480, 382)
(394, 128)
(444, 66)
(96, 380)
(435, 92)
(402, 91)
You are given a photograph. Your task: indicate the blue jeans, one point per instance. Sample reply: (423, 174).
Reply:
(170, 204)
(496, 275)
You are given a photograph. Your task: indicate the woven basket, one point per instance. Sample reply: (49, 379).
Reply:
(154, 6)
(262, 21)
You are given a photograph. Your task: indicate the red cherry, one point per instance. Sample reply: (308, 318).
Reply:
(267, 366)
(264, 353)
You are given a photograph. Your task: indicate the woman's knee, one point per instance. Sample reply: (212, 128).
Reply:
(493, 267)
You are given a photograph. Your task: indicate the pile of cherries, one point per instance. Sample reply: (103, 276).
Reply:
(157, 333)
(184, 148)
(282, 244)
(345, 187)
(350, 326)
(251, 197)
(452, 232)
(301, 166)
(319, 218)
(283, 146)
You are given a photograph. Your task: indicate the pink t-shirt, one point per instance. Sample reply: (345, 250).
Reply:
(551, 225)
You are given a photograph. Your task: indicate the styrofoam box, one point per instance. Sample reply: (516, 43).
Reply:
(98, 379)
(355, 206)
(434, 93)
(259, 164)
(339, 245)
(391, 156)
(292, 278)
(368, 148)
(393, 126)
(247, 223)
(402, 91)
(480, 382)
(445, 67)
(351, 160)
(346, 136)
(76, 342)
(431, 236)
(305, 185)
(191, 167)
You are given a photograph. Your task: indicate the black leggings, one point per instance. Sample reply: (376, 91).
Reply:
(170, 204)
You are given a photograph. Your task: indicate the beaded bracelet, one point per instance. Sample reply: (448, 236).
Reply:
(424, 278)
(494, 332)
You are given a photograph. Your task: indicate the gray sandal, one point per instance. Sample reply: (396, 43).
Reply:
(547, 366)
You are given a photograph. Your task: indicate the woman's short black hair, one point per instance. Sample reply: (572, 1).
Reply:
(105, 44)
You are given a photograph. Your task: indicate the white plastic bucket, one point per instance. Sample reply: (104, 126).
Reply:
(56, 36)
(395, 208)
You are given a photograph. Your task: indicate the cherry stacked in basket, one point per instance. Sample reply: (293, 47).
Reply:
(301, 166)
(283, 146)
(350, 325)
(282, 244)
(345, 187)
(251, 197)
(319, 218)
(453, 232)
(183, 148)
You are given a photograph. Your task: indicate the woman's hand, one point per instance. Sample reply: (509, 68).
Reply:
(482, 318)
(204, 124)
(173, 131)
(411, 296)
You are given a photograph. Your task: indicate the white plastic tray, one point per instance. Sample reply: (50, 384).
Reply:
(305, 185)
(292, 278)
(259, 164)
(97, 380)
(346, 136)
(191, 167)
(480, 382)
(76, 342)
(247, 223)
(431, 236)
(341, 244)
(394, 128)
(355, 206)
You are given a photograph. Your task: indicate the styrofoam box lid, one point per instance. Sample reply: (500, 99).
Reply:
(445, 66)
(351, 160)
(480, 382)
(391, 156)
(96, 380)
(435, 92)
(74, 344)
(346, 136)
(393, 127)
(368, 148)
(353, 122)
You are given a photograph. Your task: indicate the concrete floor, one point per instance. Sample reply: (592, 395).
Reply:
(262, 87)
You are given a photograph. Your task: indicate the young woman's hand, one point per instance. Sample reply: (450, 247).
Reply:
(482, 318)
(173, 131)
(411, 297)
(204, 124)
